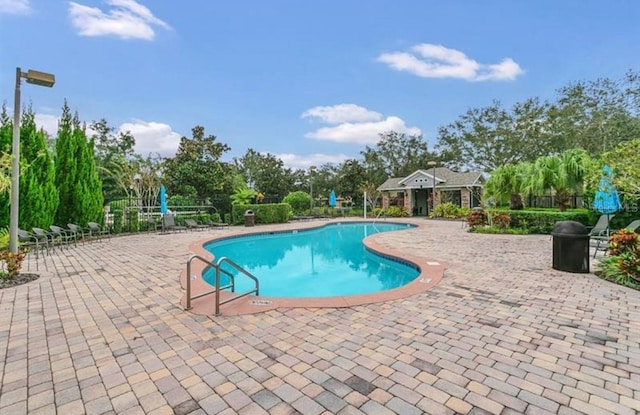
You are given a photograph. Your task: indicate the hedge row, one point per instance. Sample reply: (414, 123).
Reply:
(543, 221)
(264, 213)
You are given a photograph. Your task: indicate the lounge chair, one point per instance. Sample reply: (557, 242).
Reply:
(599, 234)
(169, 223)
(98, 232)
(633, 226)
(193, 224)
(217, 225)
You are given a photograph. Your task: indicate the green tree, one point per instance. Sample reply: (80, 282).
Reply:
(264, 173)
(560, 175)
(299, 201)
(6, 132)
(37, 176)
(243, 195)
(197, 164)
(486, 138)
(77, 180)
(351, 176)
(114, 154)
(395, 155)
(506, 184)
(597, 115)
(623, 160)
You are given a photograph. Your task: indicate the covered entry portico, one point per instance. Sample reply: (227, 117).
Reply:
(423, 190)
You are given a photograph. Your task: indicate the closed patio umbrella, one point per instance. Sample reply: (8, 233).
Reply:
(606, 200)
(332, 199)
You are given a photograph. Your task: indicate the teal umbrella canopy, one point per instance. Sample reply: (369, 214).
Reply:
(163, 200)
(332, 199)
(606, 199)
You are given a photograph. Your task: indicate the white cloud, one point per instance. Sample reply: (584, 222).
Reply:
(355, 124)
(340, 113)
(436, 61)
(48, 123)
(15, 7)
(126, 19)
(295, 161)
(152, 137)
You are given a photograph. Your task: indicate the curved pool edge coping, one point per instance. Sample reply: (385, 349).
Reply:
(431, 273)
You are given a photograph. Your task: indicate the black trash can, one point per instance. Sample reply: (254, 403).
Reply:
(570, 247)
(249, 218)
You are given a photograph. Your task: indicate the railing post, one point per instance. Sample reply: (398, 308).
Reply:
(218, 290)
(188, 302)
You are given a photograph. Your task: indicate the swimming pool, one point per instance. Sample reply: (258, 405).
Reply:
(321, 262)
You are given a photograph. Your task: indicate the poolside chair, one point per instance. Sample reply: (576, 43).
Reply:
(193, 224)
(169, 223)
(78, 231)
(599, 234)
(217, 225)
(65, 236)
(633, 226)
(98, 232)
(28, 240)
(44, 237)
(152, 224)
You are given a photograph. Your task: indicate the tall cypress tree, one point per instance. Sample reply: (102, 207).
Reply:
(88, 192)
(38, 193)
(6, 132)
(65, 167)
(77, 179)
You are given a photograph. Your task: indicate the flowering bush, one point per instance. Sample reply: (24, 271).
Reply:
(623, 263)
(623, 241)
(477, 218)
(501, 220)
(12, 263)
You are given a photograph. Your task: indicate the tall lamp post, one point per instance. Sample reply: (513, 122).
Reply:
(311, 169)
(36, 78)
(433, 190)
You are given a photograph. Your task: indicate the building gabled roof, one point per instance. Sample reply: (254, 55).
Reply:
(445, 178)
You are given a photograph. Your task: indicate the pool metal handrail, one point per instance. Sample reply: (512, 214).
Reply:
(382, 212)
(218, 268)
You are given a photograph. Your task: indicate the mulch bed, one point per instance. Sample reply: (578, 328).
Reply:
(22, 278)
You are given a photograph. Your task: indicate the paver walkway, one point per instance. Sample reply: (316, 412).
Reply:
(503, 333)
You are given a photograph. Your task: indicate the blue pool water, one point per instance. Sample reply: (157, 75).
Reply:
(323, 262)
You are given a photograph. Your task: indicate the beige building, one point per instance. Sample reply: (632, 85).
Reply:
(415, 191)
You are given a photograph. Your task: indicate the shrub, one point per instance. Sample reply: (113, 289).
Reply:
(446, 210)
(623, 264)
(477, 218)
(501, 220)
(623, 241)
(299, 201)
(264, 213)
(12, 262)
(543, 221)
(397, 211)
(496, 230)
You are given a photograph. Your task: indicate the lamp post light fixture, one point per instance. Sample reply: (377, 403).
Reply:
(433, 190)
(36, 78)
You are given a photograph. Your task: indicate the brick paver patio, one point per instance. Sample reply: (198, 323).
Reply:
(503, 333)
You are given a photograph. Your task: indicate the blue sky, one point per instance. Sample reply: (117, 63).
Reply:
(310, 81)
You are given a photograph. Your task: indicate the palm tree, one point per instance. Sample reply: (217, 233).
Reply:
(507, 183)
(562, 175)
